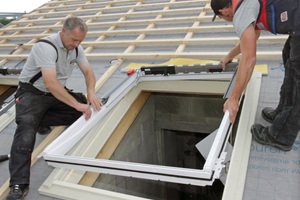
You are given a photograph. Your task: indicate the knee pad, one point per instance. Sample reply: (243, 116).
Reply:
(25, 142)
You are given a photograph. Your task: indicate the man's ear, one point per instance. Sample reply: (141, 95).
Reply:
(222, 11)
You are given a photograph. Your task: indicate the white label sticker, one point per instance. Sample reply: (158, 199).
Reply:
(284, 16)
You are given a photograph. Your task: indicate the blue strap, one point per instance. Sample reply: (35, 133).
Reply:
(273, 19)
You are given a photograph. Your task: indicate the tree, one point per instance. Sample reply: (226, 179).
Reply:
(5, 21)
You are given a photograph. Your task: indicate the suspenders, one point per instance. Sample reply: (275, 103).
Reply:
(38, 75)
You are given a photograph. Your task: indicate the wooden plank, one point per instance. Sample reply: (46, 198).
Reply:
(76, 1)
(131, 22)
(132, 31)
(92, 4)
(7, 117)
(196, 55)
(98, 42)
(3, 88)
(165, 30)
(183, 41)
(190, 34)
(199, 9)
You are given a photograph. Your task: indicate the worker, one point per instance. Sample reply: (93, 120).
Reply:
(249, 17)
(42, 99)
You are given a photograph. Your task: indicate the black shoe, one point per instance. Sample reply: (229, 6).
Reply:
(17, 192)
(269, 114)
(261, 135)
(43, 130)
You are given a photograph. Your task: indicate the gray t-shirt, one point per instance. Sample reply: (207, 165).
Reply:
(245, 15)
(44, 55)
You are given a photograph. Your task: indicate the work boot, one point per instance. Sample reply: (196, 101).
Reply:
(17, 192)
(261, 135)
(43, 130)
(269, 114)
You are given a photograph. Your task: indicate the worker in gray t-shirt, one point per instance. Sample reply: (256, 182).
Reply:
(249, 17)
(42, 100)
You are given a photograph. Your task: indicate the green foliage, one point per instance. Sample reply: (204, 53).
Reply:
(5, 21)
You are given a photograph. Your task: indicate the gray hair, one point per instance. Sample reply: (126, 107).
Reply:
(73, 22)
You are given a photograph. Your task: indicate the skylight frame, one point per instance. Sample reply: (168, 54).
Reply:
(56, 153)
(67, 184)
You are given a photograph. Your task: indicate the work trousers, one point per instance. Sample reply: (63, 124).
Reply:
(286, 125)
(35, 108)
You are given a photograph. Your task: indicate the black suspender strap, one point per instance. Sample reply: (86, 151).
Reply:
(48, 42)
(38, 75)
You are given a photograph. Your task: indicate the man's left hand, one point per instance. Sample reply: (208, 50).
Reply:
(94, 100)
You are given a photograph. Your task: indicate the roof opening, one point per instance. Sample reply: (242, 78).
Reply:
(165, 133)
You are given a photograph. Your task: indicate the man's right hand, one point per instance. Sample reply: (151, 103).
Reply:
(225, 60)
(232, 105)
(85, 109)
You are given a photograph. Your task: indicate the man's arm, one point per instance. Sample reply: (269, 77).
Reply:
(89, 76)
(246, 65)
(235, 51)
(230, 56)
(51, 83)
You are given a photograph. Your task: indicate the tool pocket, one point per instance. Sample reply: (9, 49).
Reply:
(78, 96)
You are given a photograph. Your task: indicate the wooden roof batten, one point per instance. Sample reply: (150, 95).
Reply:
(123, 22)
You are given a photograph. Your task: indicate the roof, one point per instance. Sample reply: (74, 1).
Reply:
(151, 32)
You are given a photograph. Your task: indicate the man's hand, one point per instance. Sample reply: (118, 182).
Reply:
(225, 60)
(94, 100)
(92, 97)
(232, 106)
(85, 109)
(231, 55)
(49, 76)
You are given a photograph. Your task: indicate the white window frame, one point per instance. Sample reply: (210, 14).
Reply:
(56, 154)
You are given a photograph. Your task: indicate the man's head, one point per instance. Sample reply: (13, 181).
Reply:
(73, 32)
(222, 8)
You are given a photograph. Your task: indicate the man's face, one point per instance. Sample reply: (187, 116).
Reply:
(73, 39)
(226, 14)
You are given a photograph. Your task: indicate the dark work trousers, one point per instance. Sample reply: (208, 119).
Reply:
(286, 125)
(35, 108)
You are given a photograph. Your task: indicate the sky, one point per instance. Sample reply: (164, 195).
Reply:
(21, 5)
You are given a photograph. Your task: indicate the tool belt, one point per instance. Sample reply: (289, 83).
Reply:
(28, 87)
